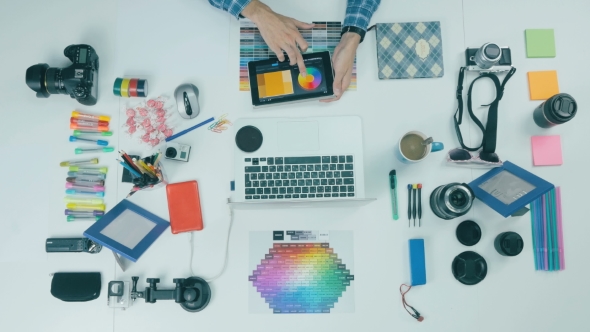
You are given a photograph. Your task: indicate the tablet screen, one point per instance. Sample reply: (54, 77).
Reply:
(280, 82)
(507, 187)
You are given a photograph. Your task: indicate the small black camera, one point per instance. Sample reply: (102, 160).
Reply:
(80, 80)
(488, 58)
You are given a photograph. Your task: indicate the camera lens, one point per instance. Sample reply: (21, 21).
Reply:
(488, 55)
(171, 153)
(35, 79)
(451, 201)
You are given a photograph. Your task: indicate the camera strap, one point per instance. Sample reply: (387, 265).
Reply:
(490, 131)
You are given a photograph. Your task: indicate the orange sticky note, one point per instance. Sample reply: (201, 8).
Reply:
(543, 84)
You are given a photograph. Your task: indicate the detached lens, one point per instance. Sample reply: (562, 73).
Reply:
(451, 201)
(35, 79)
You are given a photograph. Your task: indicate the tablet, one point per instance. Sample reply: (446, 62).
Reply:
(273, 82)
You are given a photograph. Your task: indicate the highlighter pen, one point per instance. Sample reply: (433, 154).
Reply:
(77, 126)
(78, 174)
(409, 204)
(393, 192)
(82, 122)
(94, 150)
(85, 206)
(82, 218)
(83, 200)
(419, 204)
(89, 170)
(414, 187)
(89, 140)
(81, 192)
(85, 181)
(91, 117)
(76, 186)
(69, 212)
(92, 132)
(78, 162)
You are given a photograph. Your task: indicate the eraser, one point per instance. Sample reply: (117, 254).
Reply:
(417, 262)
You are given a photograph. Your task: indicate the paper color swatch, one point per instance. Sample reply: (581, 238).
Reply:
(547, 150)
(543, 84)
(540, 43)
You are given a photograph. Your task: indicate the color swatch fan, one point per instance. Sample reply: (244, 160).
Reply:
(312, 80)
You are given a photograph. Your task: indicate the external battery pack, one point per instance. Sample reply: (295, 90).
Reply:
(417, 262)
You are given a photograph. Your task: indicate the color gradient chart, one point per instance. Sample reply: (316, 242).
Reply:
(325, 36)
(302, 274)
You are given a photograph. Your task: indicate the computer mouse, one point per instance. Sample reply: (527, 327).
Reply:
(187, 100)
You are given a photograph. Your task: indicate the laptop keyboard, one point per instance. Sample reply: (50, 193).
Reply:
(276, 178)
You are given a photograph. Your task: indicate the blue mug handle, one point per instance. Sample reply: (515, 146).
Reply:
(436, 146)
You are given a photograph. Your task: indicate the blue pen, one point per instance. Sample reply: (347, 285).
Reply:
(189, 129)
(89, 140)
(131, 170)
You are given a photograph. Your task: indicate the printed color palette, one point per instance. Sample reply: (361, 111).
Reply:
(325, 36)
(301, 278)
(300, 272)
(273, 84)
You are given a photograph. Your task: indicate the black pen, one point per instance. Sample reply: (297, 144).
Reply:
(414, 187)
(419, 204)
(409, 204)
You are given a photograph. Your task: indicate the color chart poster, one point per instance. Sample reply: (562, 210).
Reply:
(301, 272)
(325, 36)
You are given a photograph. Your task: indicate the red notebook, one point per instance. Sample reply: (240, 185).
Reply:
(184, 207)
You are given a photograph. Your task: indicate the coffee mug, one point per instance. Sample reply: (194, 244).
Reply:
(410, 149)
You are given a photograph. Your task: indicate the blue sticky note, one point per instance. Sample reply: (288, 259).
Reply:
(417, 262)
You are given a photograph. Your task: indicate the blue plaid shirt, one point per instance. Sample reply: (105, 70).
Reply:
(358, 12)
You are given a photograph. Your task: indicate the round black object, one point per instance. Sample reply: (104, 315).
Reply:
(468, 233)
(249, 139)
(508, 244)
(451, 201)
(35, 78)
(469, 268)
(556, 110)
(492, 51)
(171, 153)
(196, 295)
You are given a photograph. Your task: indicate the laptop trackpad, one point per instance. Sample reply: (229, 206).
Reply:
(298, 135)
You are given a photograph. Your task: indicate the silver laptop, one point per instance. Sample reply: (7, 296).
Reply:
(316, 161)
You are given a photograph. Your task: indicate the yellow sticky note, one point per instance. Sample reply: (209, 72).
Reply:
(543, 84)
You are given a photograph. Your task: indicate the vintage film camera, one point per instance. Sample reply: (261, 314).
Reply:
(490, 58)
(79, 80)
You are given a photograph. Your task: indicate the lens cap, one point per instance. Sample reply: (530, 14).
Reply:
(469, 268)
(249, 139)
(563, 108)
(508, 244)
(468, 233)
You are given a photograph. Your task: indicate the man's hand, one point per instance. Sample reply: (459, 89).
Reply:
(279, 32)
(342, 61)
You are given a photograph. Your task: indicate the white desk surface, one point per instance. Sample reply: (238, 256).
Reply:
(512, 297)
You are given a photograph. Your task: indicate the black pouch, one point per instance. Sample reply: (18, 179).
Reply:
(76, 286)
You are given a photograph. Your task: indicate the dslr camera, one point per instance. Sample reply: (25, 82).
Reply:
(79, 80)
(178, 152)
(490, 58)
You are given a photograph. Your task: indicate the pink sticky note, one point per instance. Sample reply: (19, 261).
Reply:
(547, 150)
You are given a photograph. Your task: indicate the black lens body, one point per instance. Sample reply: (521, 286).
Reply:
(79, 80)
(451, 201)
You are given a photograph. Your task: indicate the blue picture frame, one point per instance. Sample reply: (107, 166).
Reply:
(506, 210)
(94, 232)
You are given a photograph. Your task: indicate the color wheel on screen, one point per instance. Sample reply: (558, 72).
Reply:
(312, 80)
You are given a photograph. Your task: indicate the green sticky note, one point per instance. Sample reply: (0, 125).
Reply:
(540, 43)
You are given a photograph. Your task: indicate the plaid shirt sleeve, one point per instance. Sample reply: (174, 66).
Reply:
(359, 13)
(234, 7)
